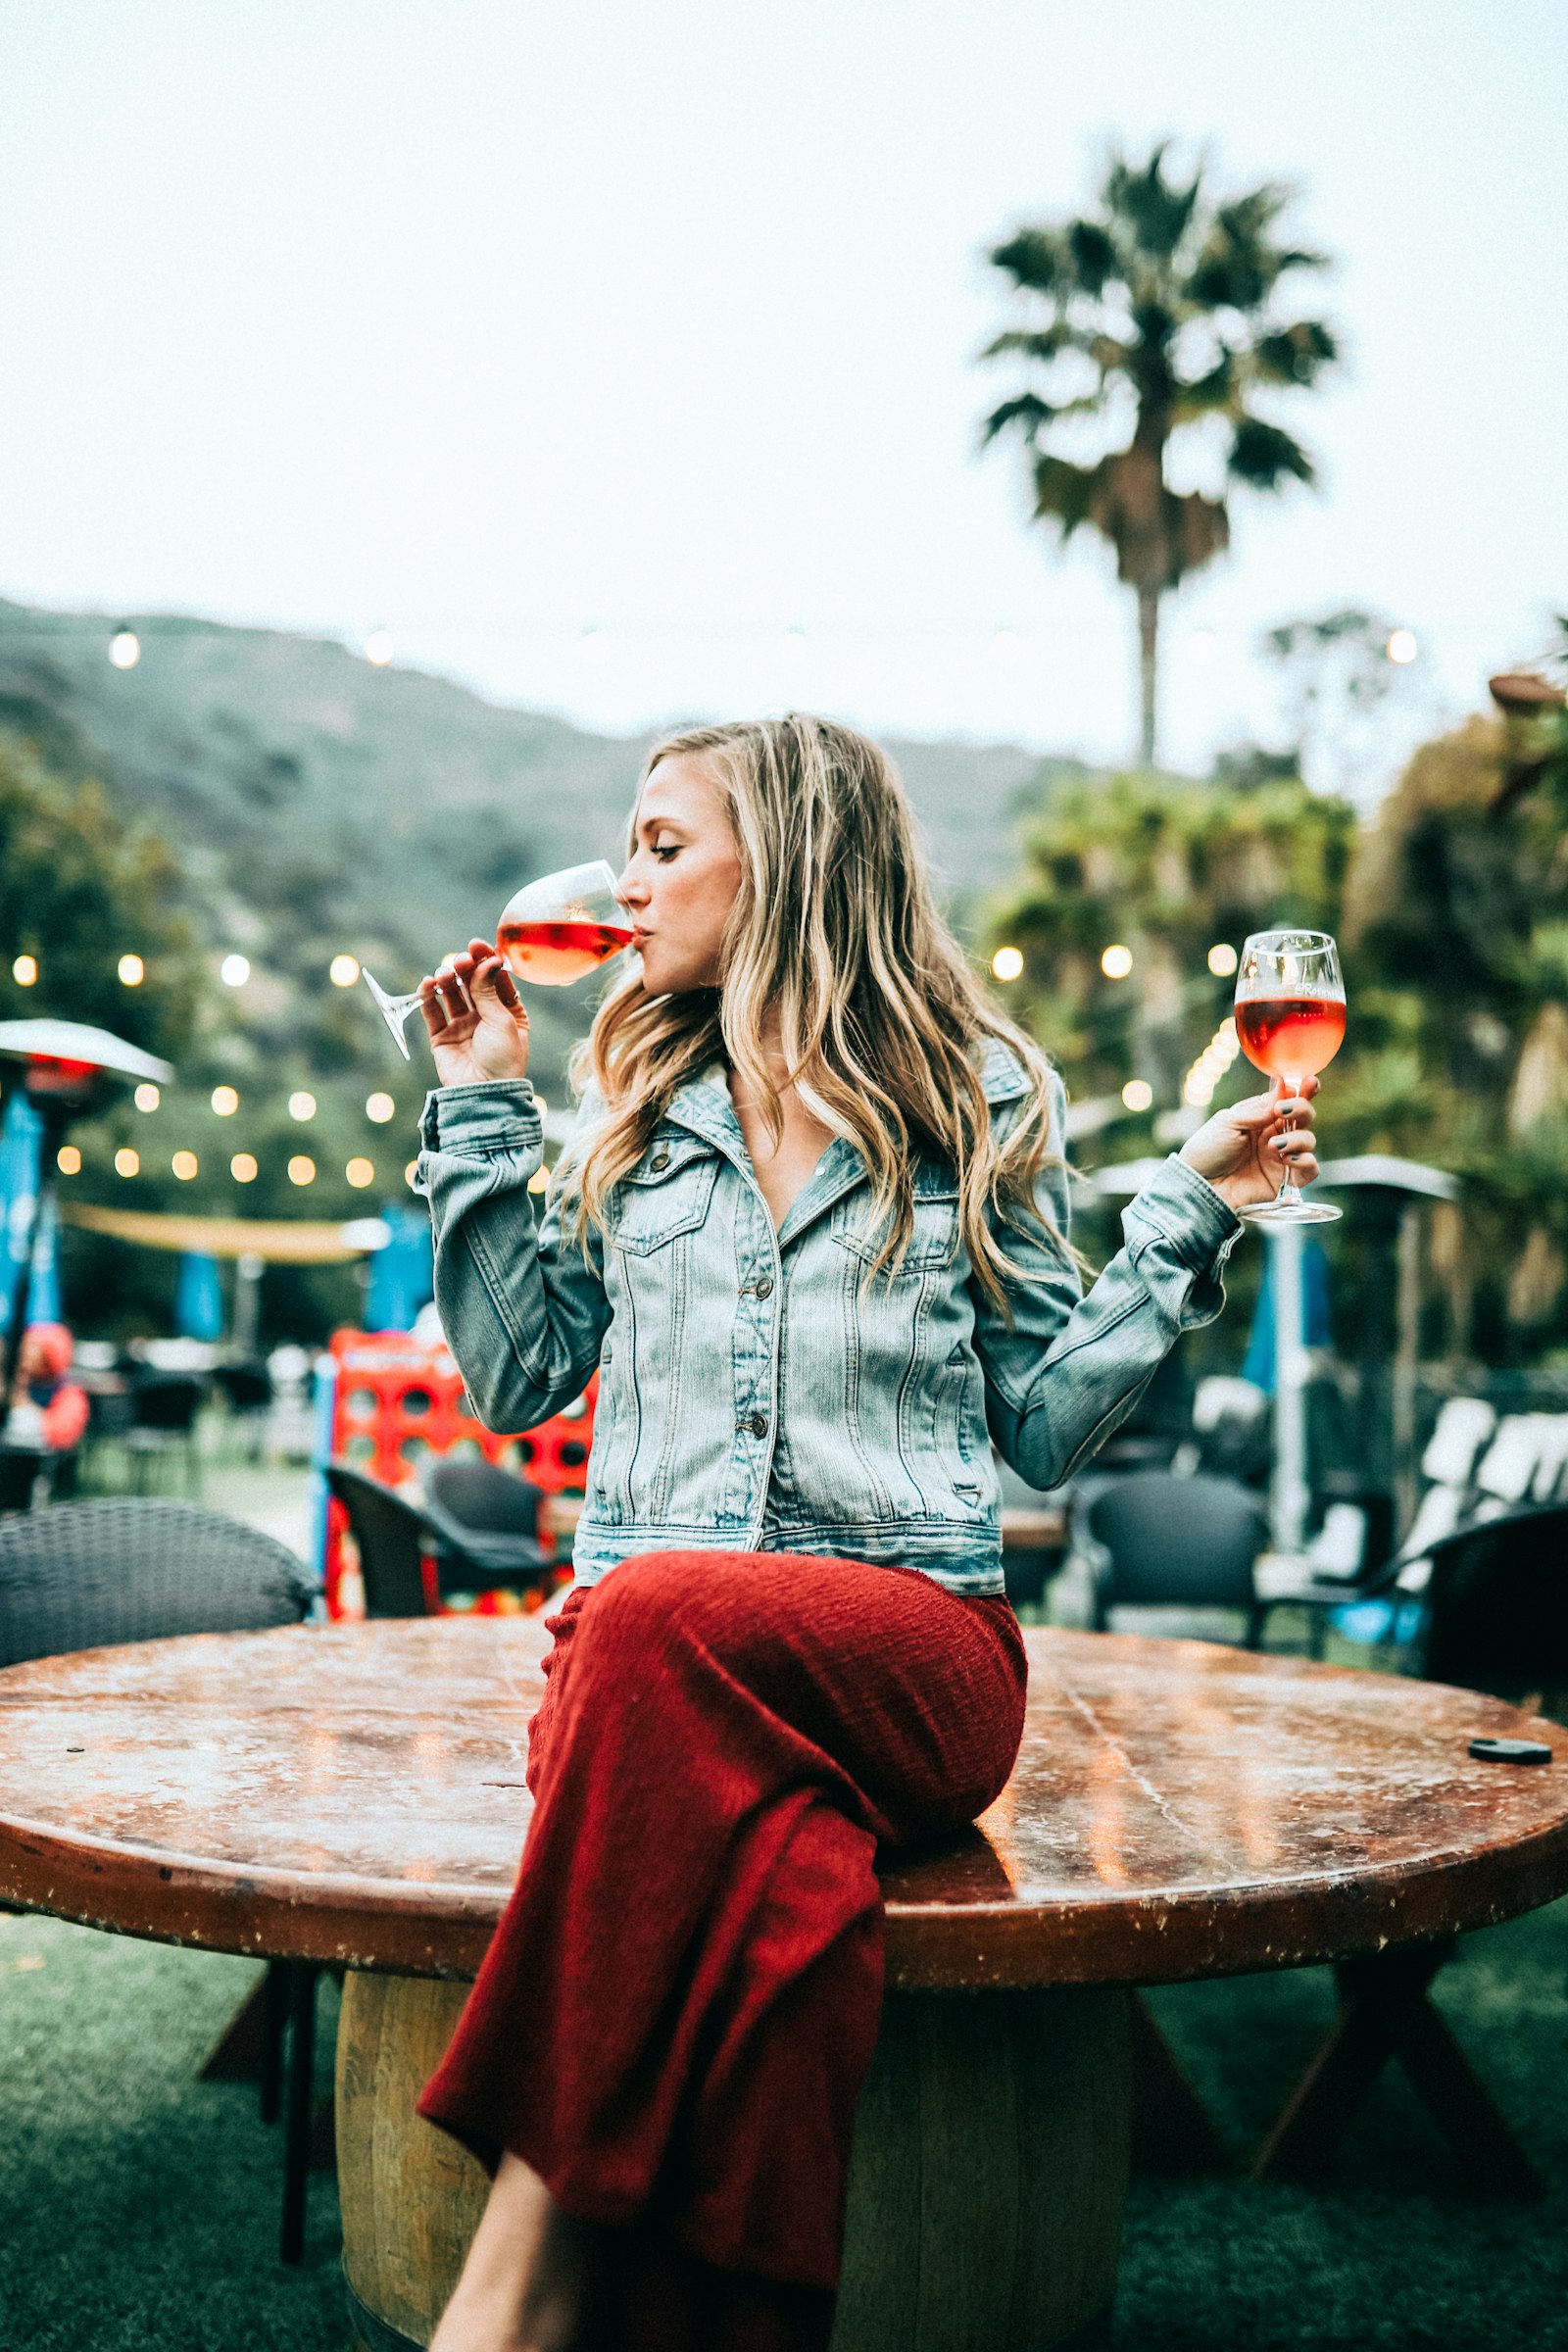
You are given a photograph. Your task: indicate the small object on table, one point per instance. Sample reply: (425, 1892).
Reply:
(1511, 1751)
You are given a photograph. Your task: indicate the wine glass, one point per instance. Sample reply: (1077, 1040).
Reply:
(1289, 1016)
(550, 932)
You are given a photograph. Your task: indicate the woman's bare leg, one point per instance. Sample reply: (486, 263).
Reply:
(523, 2285)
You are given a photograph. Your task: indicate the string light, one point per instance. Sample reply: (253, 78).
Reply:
(68, 1159)
(380, 1108)
(302, 1105)
(1402, 647)
(146, 1098)
(184, 1165)
(379, 648)
(360, 1173)
(124, 649)
(343, 971)
(1222, 959)
(242, 1167)
(234, 971)
(132, 971)
(126, 1161)
(1007, 963)
(301, 1169)
(226, 1101)
(1138, 1093)
(1116, 963)
(24, 971)
(1197, 1088)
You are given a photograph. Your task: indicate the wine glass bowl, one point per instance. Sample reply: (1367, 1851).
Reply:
(552, 932)
(1290, 1018)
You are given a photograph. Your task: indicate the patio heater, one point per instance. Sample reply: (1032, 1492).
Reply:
(68, 1071)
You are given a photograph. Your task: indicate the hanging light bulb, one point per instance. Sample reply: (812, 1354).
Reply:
(124, 648)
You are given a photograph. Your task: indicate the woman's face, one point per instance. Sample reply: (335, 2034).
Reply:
(680, 885)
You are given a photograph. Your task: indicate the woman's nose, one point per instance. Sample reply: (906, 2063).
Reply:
(629, 891)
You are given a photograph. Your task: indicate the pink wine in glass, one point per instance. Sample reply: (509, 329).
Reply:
(552, 954)
(1291, 1037)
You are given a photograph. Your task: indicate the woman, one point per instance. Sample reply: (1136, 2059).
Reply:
(47, 1406)
(811, 1228)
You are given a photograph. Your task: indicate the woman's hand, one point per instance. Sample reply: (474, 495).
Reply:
(477, 1022)
(1248, 1150)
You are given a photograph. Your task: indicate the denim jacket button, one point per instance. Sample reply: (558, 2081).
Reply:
(658, 1164)
(764, 1289)
(756, 1424)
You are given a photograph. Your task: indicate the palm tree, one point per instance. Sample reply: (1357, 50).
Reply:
(1162, 310)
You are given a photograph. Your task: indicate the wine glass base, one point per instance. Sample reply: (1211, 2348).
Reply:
(394, 1011)
(1290, 1212)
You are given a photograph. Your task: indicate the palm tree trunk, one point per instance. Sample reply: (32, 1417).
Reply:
(1148, 643)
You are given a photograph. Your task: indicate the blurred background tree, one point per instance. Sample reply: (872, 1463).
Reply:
(1157, 321)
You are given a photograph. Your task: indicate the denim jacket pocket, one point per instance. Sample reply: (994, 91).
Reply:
(934, 1240)
(669, 1192)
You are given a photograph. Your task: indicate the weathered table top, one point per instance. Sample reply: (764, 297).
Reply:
(356, 1793)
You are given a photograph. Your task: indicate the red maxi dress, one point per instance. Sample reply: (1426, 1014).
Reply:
(679, 2006)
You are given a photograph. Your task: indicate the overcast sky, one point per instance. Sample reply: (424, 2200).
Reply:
(502, 322)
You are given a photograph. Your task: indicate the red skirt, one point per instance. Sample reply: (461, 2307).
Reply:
(677, 2014)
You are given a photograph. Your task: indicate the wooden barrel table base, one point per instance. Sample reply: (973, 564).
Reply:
(354, 1797)
(986, 2192)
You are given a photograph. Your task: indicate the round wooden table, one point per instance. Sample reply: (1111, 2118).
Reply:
(355, 1795)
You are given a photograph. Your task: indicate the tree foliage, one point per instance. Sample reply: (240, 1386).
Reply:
(1157, 317)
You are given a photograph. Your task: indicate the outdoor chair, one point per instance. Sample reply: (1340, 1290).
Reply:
(246, 1389)
(393, 1538)
(487, 1520)
(164, 1406)
(92, 1574)
(1494, 1616)
(1157, 1541)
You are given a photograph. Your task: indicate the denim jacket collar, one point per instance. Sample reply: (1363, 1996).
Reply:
(703, 1107)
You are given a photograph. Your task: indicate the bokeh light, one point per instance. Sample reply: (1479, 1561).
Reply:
(68, 1159)
(184, 1165)
(234, 971)
(343, 971)
(126, 1161)
(360, 1173)
(1222, 959)
(301, 1169)
(124, 649)
(302, 1105)
(24, 971)
(1007, 963)
(379, 648)
(1116, 963)
(1402, 647)
(132, 971)
(1138, 1093)
(147, 1097)
(242, 1167)
(226, 1101)
(380, 1108)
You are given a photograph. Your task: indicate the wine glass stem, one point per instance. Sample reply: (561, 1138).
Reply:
(1290, 1192)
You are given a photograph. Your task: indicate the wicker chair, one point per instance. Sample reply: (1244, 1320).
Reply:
(88, 1575)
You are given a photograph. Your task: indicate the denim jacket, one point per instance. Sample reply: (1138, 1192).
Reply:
(756, 1393)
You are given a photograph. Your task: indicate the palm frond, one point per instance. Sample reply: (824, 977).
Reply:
(1156, 212)
(1264, 457)
(1035, 343)
(1033, 259)
(1094, 255)
(1294, 354)
(1027, 412)
(1065, 493)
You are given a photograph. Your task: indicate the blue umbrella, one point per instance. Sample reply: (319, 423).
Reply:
(21, 1170)
(198, 1298)
(403, 1274)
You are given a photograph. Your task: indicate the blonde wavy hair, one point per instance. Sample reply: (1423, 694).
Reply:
(837, 939)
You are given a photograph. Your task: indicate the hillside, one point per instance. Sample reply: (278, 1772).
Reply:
(319, 804)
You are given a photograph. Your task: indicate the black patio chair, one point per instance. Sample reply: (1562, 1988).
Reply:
(487, 1520)
(164, 1406)
(1157, 1541)
(393, 1538)
(92, 1574)
(1495, 1611)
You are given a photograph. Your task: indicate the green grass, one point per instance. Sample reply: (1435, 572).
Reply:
(139, 2207)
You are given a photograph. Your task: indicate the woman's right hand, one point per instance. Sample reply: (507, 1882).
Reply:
(477, 1022)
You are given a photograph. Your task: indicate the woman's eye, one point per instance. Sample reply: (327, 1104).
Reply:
(664, 851)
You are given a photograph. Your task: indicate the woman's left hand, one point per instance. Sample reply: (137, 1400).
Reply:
(1248, 1150)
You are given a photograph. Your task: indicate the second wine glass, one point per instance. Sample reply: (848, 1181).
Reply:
(1289, 1016)
(552, 932)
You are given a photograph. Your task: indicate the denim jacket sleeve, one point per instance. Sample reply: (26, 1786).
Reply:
(524, 1311)
(1068, 1367)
